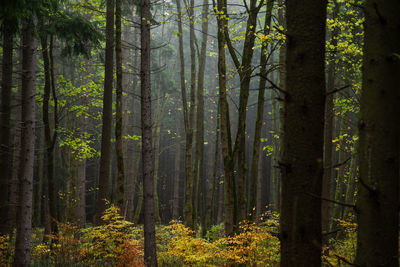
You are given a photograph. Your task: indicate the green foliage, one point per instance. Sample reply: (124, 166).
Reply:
(115, 243)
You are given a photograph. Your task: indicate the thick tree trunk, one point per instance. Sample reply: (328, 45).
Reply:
(28, 91)
(150, 256)
(119, 110)
(104, 175)
(5, 151)
(301, 162)
(378, 188)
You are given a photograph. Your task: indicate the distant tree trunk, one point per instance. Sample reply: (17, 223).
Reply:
(189, 178)
(81, 183)
(187, 210)
(226, 142)
(156, 147)
(150, 256)
(5, 151)
(139, 205)
(198, 170)
(327, 182)
(28, 100)
(119, 110)
(104, 175)
(301, 162)
(260, 115)
(378, 187)
(215, 184)
(351, 184)
(340, 179)
(177, 163)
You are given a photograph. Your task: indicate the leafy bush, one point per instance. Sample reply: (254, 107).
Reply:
(115, 243)
(254, 245)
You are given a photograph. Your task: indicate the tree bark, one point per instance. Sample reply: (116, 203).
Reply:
(150, 256)
(301, 161)
(226, 142)
(104, 174)
(327, 182)
(5, 112)
(119, 110)
(378, 187)
(28, 91)
(198, 170)
(260, 115)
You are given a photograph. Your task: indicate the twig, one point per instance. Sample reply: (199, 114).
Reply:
(333, 201)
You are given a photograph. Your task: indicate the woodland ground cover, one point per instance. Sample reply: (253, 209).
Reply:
(120, 243)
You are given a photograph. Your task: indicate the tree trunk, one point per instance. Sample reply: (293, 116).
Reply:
(28, 92)
(378, 190)
(104, 175)
(244, 69)
(226, 142)
(260, 115)
(301, 160)
(48, 135)
(327, 182)
(175, 200)
(119, 111)
(5, 151)
(150, 256)
(198, 170)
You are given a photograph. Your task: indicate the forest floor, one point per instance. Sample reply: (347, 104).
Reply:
(120, 243)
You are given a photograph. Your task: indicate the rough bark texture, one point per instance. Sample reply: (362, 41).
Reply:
(119, 110)
(150, 256)
(378, 197)
(104, 175)
(260, 115)
(28, 90)
(301, 161)
(6, 85)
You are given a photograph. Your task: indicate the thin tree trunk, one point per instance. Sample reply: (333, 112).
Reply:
(119, 110)
(48, 135)
(150, 256)
(104, 176)
(175, 199)
(215, 184)
(378, 188)
(28, 91)
(198, 170)
(327, 207)
(226, 142)
(301, 162)
(260, 115)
